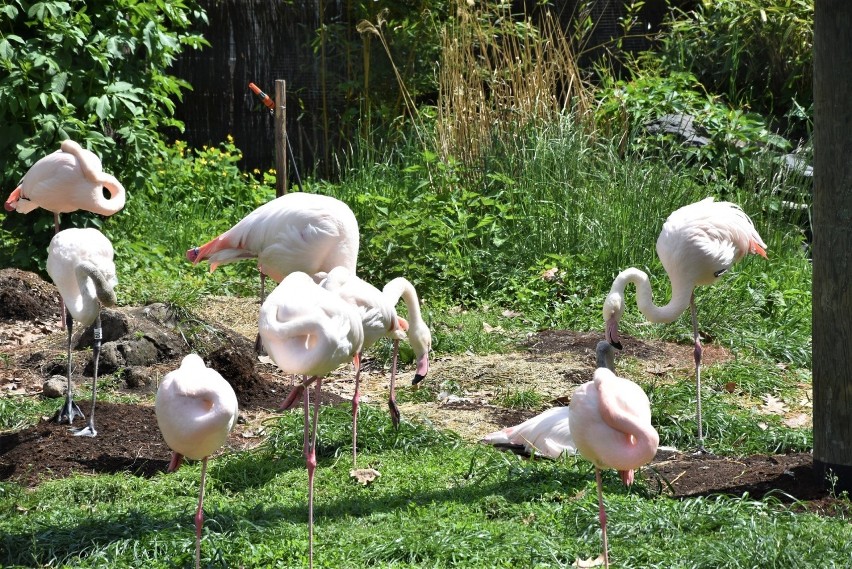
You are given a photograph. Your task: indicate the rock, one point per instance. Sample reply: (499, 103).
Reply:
(137, 377)
(680, 125)
(114, 325)
(54, 387)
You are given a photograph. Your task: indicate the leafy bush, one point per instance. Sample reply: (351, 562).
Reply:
(735, 137)
(94, 71)
(758, 53)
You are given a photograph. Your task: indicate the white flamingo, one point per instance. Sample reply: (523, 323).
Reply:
(610, 422)
(548, 433)
(698, 243)
(80, 262)
(69, 179)
(196, 409)
(380, 319)
(309, 331)
(310, 233)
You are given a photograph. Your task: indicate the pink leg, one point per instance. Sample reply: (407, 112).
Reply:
(311, 460)
(392, 407)
(602, 516)
(199, 515)
(355, 398)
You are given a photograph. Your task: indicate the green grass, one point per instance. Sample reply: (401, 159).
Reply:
(439, 503)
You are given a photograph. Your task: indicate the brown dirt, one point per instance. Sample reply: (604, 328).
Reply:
(470, 392)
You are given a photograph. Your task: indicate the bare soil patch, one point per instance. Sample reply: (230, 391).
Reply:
(470, 388)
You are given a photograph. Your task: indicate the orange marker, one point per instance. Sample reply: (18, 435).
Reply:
(270, 104)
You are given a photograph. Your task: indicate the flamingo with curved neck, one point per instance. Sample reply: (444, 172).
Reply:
(697, 245)
(80, 262)
(69, 179)
(610, 421)
(310, 331)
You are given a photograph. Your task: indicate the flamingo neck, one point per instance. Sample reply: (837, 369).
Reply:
(401, 288)
(95, 289)
(681, 295)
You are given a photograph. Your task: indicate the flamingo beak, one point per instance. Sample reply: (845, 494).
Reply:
(9, 204)
(612, 333)
(422, 368)
(192, 254)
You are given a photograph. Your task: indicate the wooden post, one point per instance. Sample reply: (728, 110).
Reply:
(832, 245)
(280, 137)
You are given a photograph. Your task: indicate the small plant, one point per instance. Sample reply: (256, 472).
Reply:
(520, 399)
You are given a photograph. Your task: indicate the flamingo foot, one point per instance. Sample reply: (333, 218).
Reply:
(177, 460)
(87, 431)
(294, 396)
(68, 412)
(394, 413)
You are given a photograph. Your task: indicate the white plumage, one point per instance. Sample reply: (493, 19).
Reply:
(196, 408)
(303, 232)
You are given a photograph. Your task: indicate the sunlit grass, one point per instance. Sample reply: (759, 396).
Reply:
(439, 502)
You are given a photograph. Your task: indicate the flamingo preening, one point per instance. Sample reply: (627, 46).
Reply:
(69, 179)
(698, 243)
(380, 319)
(196, 409)
(80, 262)
(548, 433)
(610, 422)
(309, 331)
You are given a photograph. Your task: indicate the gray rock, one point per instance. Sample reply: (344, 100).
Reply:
(137, 377)
(54, 387)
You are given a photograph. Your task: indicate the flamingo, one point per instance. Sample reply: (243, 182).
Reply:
(610, 421)
(309, 331)
(69, 179)
(379, 318)
(80, 262)
(548, 433)
(196, 408)
(303, 232)
(698, 243)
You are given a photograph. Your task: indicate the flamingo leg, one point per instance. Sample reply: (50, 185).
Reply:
(392, 407)
(69, 409)
(199, 514)
(258, 343)
(311, 461)
(602, 516)
(90, 430)
(355, 398)
(697, 353)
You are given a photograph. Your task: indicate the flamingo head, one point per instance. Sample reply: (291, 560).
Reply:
(11, 204)
(626, 477)
(420, 339)
(605, 355)
(192, 254)
(612, 310)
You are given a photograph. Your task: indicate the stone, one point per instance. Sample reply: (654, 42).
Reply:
(54, 387)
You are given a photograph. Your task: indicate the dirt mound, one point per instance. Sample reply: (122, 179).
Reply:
(25, 296)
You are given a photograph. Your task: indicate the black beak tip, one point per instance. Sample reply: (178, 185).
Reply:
(616, 345)
(417, 379)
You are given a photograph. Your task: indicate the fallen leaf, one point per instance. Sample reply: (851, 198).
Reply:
(596, 562)
(772, 405)
(510, 314)
(730, 387)
(550, 274)
(488, 328)
(797, 420)
(364, 476)
(762, 426)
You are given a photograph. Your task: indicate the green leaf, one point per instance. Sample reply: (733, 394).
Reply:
(103, 108)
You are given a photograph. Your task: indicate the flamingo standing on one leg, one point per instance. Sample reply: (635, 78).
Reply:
(69, 179)
(699, 242)
(309, 331)
(196, 409)
(80, 262)
(610, 422)
(548, 433)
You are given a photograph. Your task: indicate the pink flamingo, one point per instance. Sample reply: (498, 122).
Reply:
(80, 262)
(69, 179)
(610, 421)
(303, 232)
(698, 243)
(309, 331)
(196, 409)
(379, 318)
